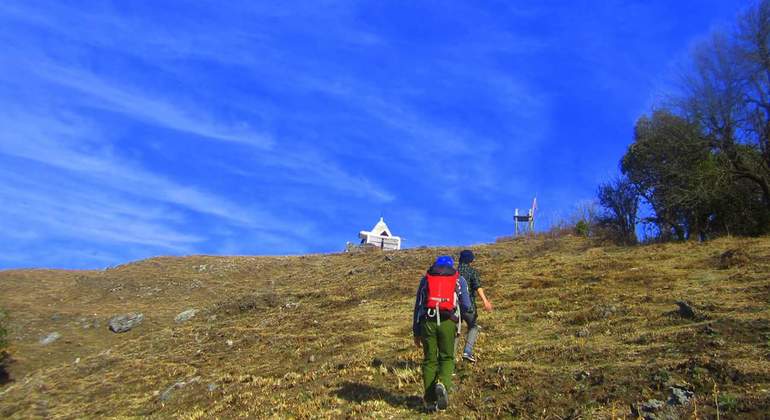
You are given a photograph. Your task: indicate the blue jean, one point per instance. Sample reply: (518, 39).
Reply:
(473, 332)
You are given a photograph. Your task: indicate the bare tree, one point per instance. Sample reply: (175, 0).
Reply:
(621, 202)
(728, 94)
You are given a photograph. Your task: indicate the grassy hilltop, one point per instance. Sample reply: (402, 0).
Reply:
(578, 330)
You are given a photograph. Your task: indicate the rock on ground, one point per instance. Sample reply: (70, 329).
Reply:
(686, 310)
(166, 395)
(186, 315)
(680, 396)
(123, 323)
(651, 410)
(50, 338)
(652, 406)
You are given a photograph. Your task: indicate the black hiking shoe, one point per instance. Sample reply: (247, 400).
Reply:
(442, 399)
(469, 357)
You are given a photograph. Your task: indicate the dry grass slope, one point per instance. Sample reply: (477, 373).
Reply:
(579, 330)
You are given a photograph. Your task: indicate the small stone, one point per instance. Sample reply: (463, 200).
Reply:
(717, 342)
(167, 393)
(50, 338)
(680, 396)
(77, 360)
(709, 330)
(311, 359)
(212, 387)
(651, 406)
(607, 311)
(123, 323)
(583, 374)
(185, 315)
(685, 309)
(179, 385)
(229, 343)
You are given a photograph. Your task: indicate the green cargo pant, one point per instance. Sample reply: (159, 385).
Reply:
(438, 343)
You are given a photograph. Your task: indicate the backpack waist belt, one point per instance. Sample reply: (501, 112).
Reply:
(444, 315)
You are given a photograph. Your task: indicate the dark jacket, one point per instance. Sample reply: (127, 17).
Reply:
(461, 288)
(474, 282)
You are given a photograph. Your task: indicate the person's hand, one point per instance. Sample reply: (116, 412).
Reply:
(418, 341)
(488, 306)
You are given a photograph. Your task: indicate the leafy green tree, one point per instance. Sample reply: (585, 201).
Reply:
(689, 184)
(671, 166)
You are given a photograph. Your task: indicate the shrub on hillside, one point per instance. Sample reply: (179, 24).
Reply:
(582, 221)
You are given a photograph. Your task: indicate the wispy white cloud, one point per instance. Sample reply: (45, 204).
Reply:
(305, 162)
(68, 145)
(74, 209)
(142, 106)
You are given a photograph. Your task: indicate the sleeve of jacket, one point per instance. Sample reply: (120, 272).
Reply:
(463, 294)
(419, 304)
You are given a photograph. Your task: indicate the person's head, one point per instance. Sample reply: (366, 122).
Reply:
(444, 261)
(466, 256)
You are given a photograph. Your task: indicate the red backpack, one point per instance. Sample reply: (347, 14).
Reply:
(441, 292)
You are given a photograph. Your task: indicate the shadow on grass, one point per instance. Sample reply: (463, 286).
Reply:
(5, 359)
(358, 393)
(4, 376)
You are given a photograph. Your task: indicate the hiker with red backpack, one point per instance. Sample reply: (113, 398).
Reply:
(442, 297)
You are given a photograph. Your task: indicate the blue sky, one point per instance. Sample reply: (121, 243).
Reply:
(135, 129)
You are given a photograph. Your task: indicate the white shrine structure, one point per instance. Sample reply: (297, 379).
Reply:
(381, 237)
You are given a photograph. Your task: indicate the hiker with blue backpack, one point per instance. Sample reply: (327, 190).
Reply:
(442, 298)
